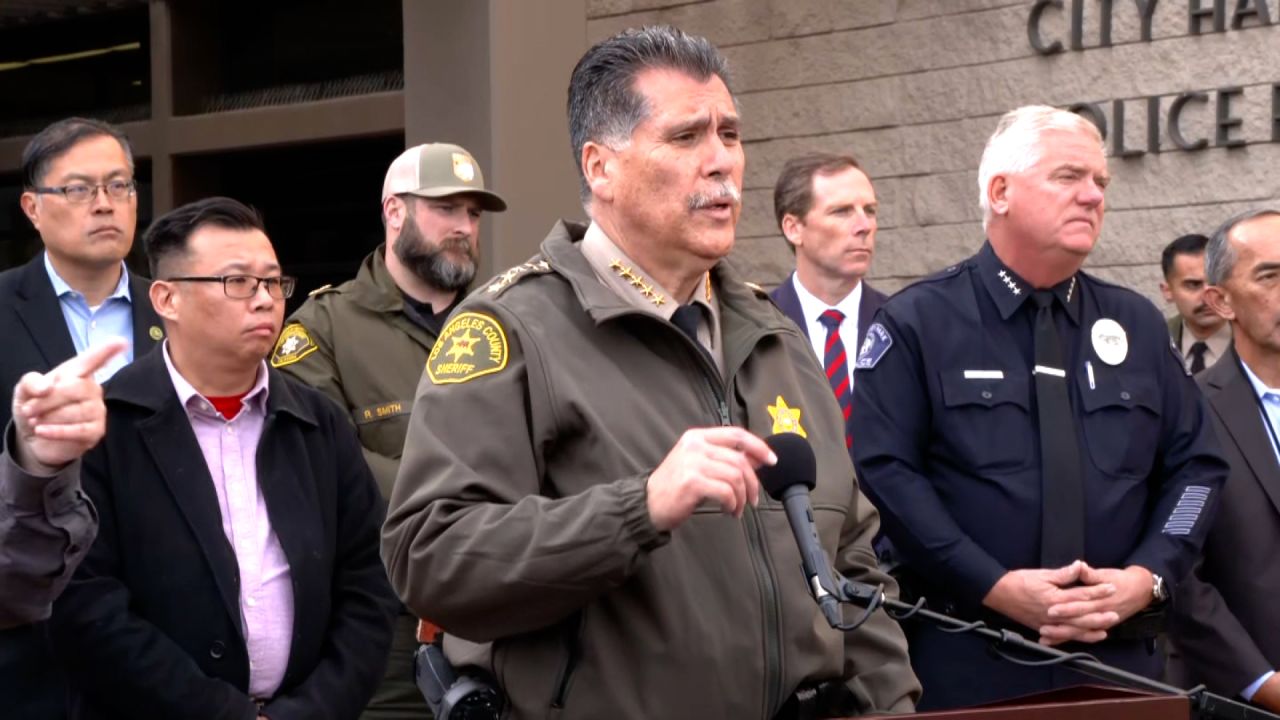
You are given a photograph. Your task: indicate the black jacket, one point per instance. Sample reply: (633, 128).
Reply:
(150, 624)
(35, 333)
(35, 338)
(1226, 615)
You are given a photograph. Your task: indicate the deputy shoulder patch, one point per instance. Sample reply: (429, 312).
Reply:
(502, 282)
(293, 345)
(874, 347)
(472, 345)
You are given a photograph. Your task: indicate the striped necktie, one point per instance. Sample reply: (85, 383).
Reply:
(836, 362)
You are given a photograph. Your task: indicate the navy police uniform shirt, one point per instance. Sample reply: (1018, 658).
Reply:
(946, 437)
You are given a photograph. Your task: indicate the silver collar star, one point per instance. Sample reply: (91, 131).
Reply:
(1008, 281)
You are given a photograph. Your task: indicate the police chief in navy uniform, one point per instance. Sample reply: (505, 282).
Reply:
(1031, 438)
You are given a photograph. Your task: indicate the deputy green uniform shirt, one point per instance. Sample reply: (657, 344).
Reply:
(358, 344)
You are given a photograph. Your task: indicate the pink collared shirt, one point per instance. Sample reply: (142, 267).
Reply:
(230, 450)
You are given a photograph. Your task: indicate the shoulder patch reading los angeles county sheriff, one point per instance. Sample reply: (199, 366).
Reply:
(293, 345)
(472, 345)
(874, 347)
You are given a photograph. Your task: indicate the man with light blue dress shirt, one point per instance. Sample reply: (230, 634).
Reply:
(91, 326)
(80, 195)
(1226, 615)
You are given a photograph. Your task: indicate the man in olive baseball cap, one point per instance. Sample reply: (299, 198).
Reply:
(438, 170)
(364, 343)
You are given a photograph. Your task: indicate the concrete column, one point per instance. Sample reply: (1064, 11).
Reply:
(491, 75)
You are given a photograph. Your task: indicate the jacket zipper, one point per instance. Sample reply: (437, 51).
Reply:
(755, 546)
(573, 648)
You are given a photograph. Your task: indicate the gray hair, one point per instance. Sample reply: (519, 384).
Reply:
(603, 105)
(1015, 145)
(1219, 255)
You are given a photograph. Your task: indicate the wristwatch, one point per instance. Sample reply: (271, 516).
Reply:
(1159, 592)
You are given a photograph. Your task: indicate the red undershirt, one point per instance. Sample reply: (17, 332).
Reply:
(228, 406)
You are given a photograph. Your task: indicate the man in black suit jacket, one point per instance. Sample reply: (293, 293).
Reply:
(1227, 617)
(236, 572)
(79, 194)
(35, 334)
(826, 208)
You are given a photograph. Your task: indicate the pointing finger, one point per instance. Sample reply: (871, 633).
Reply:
(90, 361)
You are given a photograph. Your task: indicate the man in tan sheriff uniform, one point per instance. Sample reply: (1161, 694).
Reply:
(578, 488)
(365, 342)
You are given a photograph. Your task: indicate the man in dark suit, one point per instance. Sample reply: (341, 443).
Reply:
(826, 209)
(1226, 615)
(1200, 335)
(79, 194)
(236, 571)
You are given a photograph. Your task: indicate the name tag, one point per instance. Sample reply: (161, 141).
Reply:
(983, 374)
(381, 411)
(1046, 370)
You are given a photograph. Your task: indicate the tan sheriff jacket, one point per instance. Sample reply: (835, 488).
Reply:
(355, 344)
(519, 514)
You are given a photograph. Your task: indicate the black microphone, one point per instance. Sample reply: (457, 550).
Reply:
(789, 482)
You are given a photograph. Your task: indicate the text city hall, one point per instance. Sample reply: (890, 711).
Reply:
(1058, 26)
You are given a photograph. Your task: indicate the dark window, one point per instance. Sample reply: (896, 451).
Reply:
(73, 59)
(320, 201)
(239, 54)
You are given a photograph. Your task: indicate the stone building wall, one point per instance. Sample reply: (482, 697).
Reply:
(914, 87)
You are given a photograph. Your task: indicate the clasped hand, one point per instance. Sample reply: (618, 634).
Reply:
(1072, 603)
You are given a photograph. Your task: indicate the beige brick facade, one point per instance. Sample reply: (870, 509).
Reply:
(914, 87)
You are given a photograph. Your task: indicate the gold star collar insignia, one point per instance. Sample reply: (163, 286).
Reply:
(646, 289)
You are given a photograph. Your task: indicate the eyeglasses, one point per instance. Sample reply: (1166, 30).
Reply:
(243, 287)
(81, 193)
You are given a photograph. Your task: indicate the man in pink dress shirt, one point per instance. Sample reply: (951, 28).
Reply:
(236, 573)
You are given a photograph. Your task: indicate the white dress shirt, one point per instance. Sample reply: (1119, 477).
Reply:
(813, 308)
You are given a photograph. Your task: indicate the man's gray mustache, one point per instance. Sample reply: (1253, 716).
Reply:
(727, 191)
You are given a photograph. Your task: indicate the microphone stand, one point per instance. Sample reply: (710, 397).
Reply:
(1205, 704)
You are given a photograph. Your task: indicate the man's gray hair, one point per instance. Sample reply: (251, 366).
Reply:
(1015, 145)
(1219, 256)
(604, 106)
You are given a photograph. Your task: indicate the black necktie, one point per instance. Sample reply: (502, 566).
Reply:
(1062, 501)
(1197, 351)
(687, 318)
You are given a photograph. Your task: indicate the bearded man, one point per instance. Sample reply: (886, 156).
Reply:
(364, 343)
